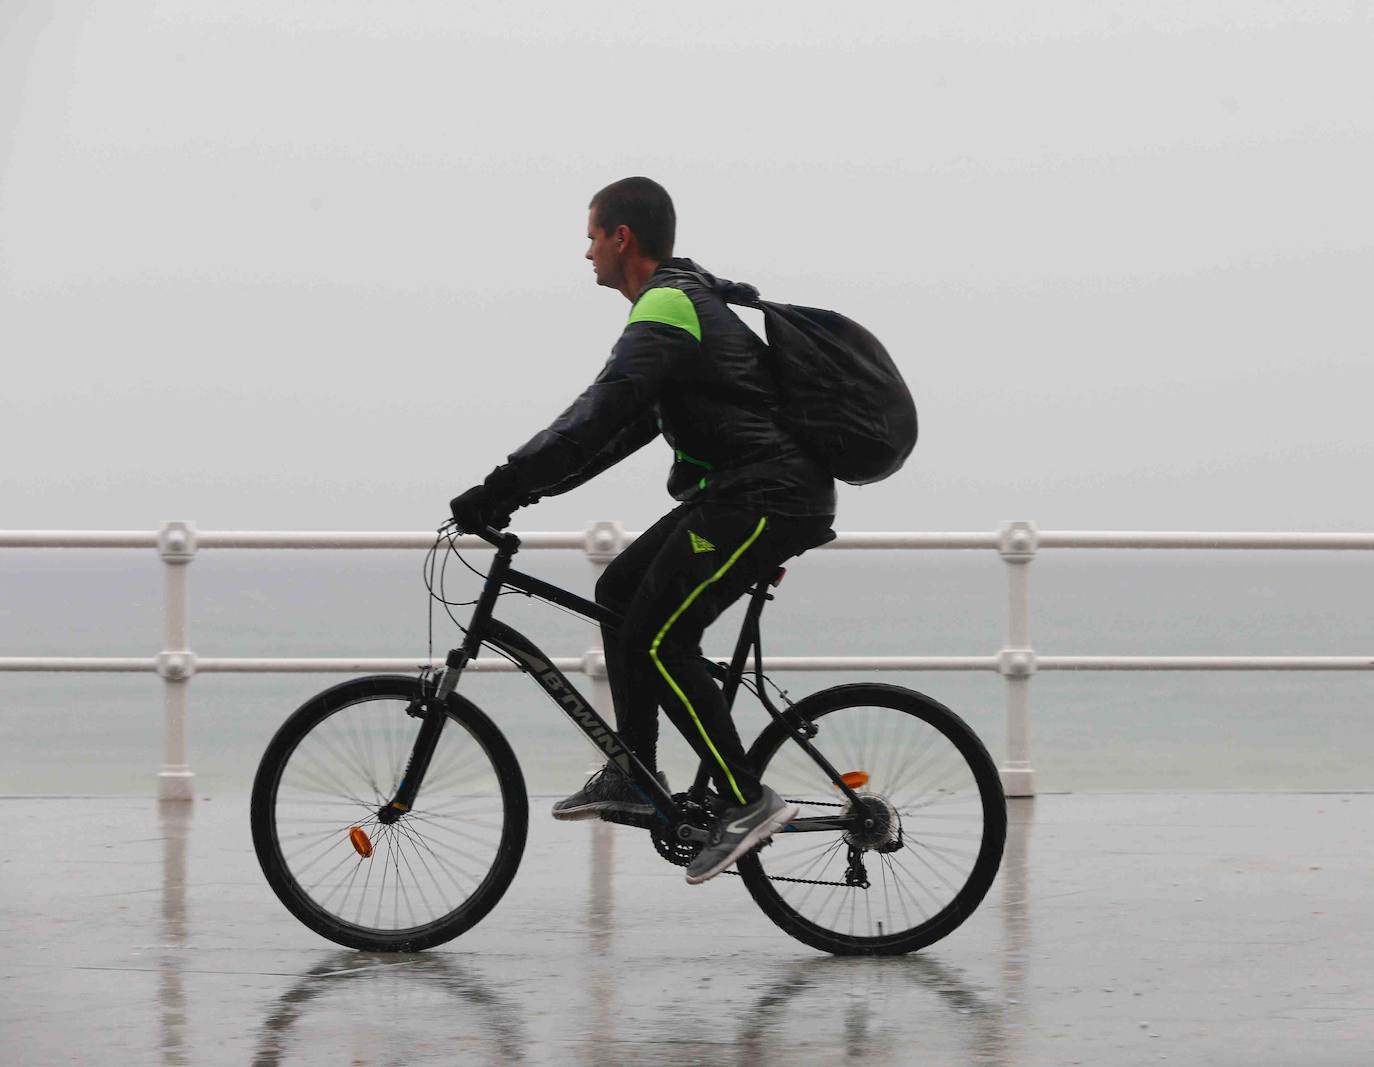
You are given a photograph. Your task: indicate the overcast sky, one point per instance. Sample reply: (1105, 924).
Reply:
(319, 265)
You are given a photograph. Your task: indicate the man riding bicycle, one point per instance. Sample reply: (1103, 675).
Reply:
(749, 498)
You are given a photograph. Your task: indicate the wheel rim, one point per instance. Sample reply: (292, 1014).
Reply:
(423, 868)
(913, 770)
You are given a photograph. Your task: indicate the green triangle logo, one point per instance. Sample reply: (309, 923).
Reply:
(700, 544)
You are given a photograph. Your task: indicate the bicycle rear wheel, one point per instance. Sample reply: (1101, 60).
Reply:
(937, 815)
(419, 881)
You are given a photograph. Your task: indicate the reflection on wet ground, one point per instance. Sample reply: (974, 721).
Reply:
(358, 993)
(1123, 929)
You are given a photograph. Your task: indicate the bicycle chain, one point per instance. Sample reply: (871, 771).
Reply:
(800, 881)
(807, 881)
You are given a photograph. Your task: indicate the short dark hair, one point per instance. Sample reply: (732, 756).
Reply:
(645, 207)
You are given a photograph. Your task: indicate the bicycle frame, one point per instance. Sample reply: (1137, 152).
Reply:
(484, 628)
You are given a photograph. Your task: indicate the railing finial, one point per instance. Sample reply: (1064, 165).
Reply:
(1018, 540)
(176, 541)
(604, 540)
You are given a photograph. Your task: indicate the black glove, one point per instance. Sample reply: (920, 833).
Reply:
(480, 507)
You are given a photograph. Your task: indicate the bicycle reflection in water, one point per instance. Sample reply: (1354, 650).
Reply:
(364, 1008)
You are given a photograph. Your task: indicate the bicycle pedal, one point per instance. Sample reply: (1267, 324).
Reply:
(622, 818)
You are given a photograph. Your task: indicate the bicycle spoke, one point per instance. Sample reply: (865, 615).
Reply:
(448, 868)
(903, 892)
(345, 762)
(430, 910)
(323, 782)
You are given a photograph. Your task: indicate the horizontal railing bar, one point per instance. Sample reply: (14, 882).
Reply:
(538, 539)
(1164, 539)
(79, 539)
(78, 663)
(364, 539)
(874, 663)
(575, 664)
(568, 664)
(1204, 663)
(352, 539)
(362, 663)
(882, 539)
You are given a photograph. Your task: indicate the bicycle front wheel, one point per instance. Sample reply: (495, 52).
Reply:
(922, 853)
(414, 883)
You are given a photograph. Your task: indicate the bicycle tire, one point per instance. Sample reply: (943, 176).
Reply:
(323, 767)
(778, 877)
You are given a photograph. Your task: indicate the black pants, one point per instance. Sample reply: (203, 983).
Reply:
(669, 585)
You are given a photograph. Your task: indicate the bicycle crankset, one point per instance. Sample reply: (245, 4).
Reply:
(668, 840)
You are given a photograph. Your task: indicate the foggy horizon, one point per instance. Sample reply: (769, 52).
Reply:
(322, 268)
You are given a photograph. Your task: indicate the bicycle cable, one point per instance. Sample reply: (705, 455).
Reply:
(748, 684)
(519, 592)
(446, 534)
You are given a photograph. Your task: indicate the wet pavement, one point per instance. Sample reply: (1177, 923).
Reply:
(1123, 929)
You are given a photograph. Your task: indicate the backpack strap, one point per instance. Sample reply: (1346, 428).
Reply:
(740, 293)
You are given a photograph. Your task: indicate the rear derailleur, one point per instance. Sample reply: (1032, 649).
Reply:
(855, 874)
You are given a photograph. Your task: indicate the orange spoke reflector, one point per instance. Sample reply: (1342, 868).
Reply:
(854, 779)
(360, 841)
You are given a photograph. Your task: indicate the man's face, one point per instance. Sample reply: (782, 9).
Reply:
(603, 250)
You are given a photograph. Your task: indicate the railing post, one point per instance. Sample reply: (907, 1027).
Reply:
(602, 543)
(1017, 542)
(176, 544)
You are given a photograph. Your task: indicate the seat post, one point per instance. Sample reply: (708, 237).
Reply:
(748, 638)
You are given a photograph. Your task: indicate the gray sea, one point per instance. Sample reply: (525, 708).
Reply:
(1091, 731)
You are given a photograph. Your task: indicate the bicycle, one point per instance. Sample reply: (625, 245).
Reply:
(886, 856)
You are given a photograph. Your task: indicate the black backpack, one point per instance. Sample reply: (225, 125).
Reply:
(843, 398)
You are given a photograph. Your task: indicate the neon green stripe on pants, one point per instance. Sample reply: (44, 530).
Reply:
(658, 639)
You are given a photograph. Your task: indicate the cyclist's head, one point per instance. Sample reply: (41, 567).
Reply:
(631, 217)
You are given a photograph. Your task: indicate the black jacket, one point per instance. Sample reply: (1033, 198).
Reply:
(686, 367)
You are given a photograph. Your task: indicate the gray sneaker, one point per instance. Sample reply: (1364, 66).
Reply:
(738, 832)
(607, 792)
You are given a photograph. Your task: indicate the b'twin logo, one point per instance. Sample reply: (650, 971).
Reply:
(592, 724)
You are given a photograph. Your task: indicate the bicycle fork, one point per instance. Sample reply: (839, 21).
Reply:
(433, 709)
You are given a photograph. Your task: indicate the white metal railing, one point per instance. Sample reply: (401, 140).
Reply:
(1017, 542)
